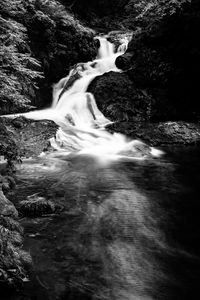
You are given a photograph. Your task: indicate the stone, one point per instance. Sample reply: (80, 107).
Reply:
(7, 209)
(123, 62)
(37, 206)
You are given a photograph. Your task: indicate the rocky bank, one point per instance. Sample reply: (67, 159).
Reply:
(19, 137)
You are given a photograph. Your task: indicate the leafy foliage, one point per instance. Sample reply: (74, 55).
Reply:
(19, 71)
(145, 12)
(38, 39)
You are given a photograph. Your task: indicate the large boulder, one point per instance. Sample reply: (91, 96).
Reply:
(37, 206)
(162, 133)
(119, 99)
(124, 62)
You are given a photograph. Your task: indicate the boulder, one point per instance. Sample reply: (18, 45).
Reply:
(37, 206)
(162, 133)
(124, 62)
(119, 99)
(22, 137)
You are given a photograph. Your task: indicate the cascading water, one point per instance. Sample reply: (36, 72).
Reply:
(112, 240)
(82, 125)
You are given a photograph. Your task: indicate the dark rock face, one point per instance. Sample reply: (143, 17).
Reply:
(132, 109)
(119, 99)
(118, 37)
(165, 59)
(124, 61)
(163, 133)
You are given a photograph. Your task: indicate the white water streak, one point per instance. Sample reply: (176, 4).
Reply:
(82, 125)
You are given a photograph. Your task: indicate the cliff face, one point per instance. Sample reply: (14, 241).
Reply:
(161, 65)
(165, 59)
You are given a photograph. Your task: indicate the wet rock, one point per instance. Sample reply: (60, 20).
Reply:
(119, 99)
(123, 62)
(36, 206)
(74, 76)
(7, 209)
(117, 37)
(162, 133)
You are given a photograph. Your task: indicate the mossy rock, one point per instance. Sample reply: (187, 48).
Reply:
(36, 206)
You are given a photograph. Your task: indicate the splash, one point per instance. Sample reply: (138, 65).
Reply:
(82, 124)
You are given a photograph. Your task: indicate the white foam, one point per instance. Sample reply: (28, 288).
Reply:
(82, 124)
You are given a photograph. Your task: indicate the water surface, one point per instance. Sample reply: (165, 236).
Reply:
(128, 230)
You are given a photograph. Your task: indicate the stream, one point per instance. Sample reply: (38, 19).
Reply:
(128, 230)
(129, 224)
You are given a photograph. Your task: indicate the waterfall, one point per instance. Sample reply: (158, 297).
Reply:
(82, 126)
(106, 48)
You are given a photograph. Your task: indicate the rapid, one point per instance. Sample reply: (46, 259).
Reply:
(82, 126)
